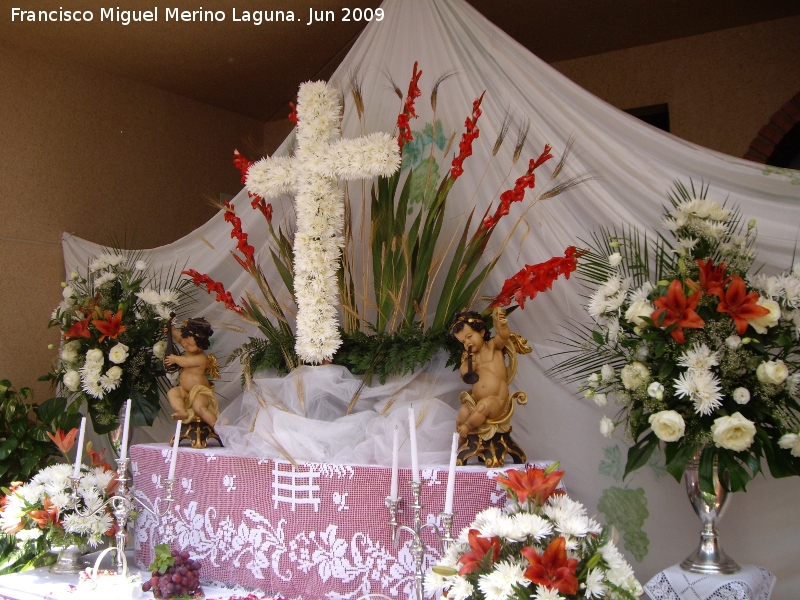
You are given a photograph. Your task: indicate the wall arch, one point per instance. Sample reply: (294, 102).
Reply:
(778, 142)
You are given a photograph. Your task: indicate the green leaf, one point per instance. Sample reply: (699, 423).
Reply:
(50, 409)
(598, 337)
(640, 453)
(677, 454)
(7, 447)
(706, 470)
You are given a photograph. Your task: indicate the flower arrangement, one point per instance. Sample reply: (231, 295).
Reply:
(112, 321)
(44, 513)
(388, 322)
(542, 546)
(701, 356)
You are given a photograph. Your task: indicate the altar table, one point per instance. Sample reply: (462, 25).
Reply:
(307, 532)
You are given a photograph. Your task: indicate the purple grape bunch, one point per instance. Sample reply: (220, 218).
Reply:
(182, 578)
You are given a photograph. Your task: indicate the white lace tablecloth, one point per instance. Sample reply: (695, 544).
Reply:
(311, 532)
(751, 583)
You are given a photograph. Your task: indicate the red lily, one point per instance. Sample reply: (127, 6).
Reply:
(78, 329)
(739, 304)
(63, 441)
(480, 547)
(712, 277)
(111, 327)
(553, 569)
(48, 514)
(532, 483)
(678, 310)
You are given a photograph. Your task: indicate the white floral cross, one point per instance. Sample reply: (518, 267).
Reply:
(312, 173)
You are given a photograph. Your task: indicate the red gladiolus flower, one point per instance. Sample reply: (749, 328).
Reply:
(532, 279)
(48, 514)
(712, 277)
(214, 286)
(241, 163)
(553, 569)
(63, 441)
(530, 484)
(480, 547)
(678, 310)
(236, 233)
(470, 135)
(739, 304)
(266, 209)
(78, 329)
(293, 114)
(528, 180)
(111, 326)
(404, 130)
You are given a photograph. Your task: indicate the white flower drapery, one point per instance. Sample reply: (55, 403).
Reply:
(311, 174)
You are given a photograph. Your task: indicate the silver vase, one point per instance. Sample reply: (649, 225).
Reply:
(70, 560)
(708, 559)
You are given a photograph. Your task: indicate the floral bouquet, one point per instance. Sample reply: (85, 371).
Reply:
(113, 340)
(701, 356)
(45, 512)
(542, 546)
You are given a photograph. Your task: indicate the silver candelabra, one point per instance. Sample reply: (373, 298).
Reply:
(443, 533)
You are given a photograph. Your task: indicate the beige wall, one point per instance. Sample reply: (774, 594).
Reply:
(99, 156)
(721, 87)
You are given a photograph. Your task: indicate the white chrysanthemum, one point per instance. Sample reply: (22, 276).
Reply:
(112, 260)
(503, 528)
(486, 519)
(595, 584)
(140, 265)
(769, 285)
(91, 384)
(105, 278)
(61, 500)
(531, 525)
(149, 296)
(544, 593)
(700, 357)
(112, 379)
(164, 312)
(791, 290)
(607, 373)
(434, 583)
(499, 583)
(702, 387)
(98, 264)
(26, 535)
(460, 590)
(32, 492)
(685, 245)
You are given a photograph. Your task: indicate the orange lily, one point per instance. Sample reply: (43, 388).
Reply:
(531, 483)
(739, 304)
(48, 514)
(97, 461)
(677, 309)
(65, 442)
(78, 329)
(712, 277)
(480, 547)
(553, 569)
(111, 327)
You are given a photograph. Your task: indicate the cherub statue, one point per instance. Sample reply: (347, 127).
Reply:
(484, 420)
(193, 398)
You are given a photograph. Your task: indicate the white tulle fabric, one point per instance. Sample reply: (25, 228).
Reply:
(635, 165)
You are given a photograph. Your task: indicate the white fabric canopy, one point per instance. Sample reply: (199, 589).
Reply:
(635, 166)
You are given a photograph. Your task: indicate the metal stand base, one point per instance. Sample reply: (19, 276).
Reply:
(709, 559)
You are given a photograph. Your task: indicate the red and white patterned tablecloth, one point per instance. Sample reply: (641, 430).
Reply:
(317, 531)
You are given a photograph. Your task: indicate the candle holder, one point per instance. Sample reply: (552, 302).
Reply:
(443, 533)
(121, 504)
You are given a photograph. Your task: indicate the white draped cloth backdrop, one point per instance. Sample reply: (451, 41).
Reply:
(634, 166)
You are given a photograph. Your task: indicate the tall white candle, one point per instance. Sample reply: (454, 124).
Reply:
(412, 427)
(175, 443)
(451, 476)
(395, 463)
(123, 450)
(76, 471)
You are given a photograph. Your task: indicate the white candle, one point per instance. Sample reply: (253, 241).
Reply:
(412, 426)
(123, 451)
(175, 443)
(76, 471)
(395, 463)
(451, 476)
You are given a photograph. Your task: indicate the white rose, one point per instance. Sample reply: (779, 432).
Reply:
(114, 373)
(118, 354)
(68, 293)
(159, 349)
(760, 324)
(655, 390)
(607, 372)
(638, 309)
(733, 342)
(772, 371)
(607, 427)
(95, 357)
(140, 265)
(593, 380)
(600, 399)
(668, 425)
(615, 259)
(69, 354)
(634, 375)
(734, 433)
(72, 379)
(741, 395)
(790, 441)
(73, 276)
